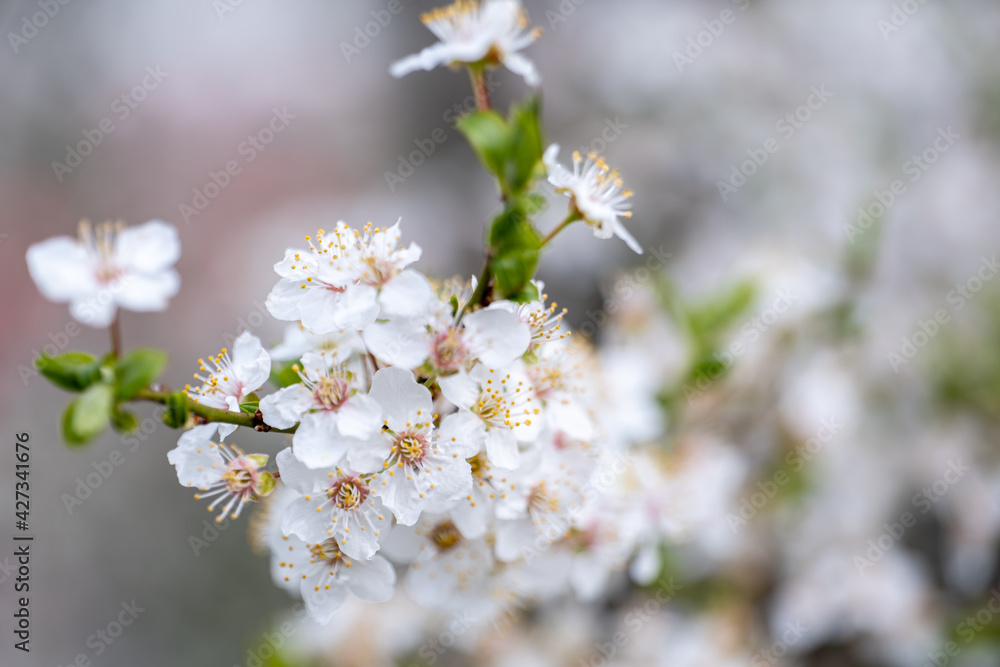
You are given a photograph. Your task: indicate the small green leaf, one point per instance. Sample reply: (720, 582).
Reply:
(250, 405)
(123, 421)
(73, 371)
(69, 435)
(176, 414)
(89, 414)
(489, 136)
(136, 370)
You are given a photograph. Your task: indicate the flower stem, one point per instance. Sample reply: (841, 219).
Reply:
(214, 414)
(573, 216)
(116, 336)
(479, 88)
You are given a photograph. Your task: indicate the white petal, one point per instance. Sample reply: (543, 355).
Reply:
(145, 292)
(460, 389)
(62, 269)
(151, 247)
(372, 581)
(502, 449)
(518, 64)
(400, 397)
(317, 442)
(360, 417)
(299, 477)
(462, 433)
(198, 461)
(406, 295)
(496, 336)
(302, 520)
(283, 301)
(512, 537)
(370, 455)
(357, 308)
(318, 310)
(625, 236)
(226, 430)
(324, 603)
(285, 407)
(96, 311)
(251, 362)
(398, 342)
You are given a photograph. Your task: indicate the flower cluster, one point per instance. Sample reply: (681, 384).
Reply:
(460, 441)
(455, 429)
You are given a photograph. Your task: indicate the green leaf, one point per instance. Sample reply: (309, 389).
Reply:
(489, 136)
(136, 370)
(73, 371)
(514, 269)
(528, 293)
(534, 203)
(259, 460)
(123, 421)
(525, 149)
(250, 405)
(89, 414)
(176, 414)
(284, 375)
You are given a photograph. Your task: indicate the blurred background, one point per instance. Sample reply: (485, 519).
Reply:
(815, 183)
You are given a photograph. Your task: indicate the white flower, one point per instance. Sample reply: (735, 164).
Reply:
(108, 267)
(447, 569)
(329, 403)
(549, 496)
(333, 503)
(222, 473)
(561, 382)
(339, 346)
(346, 279)
(494, 336)
(596, 194)
(325, 575)
(414, 469)
(496, 409)
(235, 377)
(544, 321)
(471, 33)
